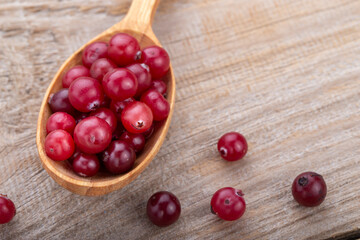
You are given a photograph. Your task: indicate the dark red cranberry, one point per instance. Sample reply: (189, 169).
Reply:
(163, 208)
(92, 135)
(148, 133)
(120, 84)
(80, 116)
(76, 152)
(143, 77)
(7, 209)
(59, 102)
(159, 86)
(93, 52)
(101, 67)
(59, 145)
(135, 140)
(157, 103)
(118, 132)
(309, 189)
(107, 115)
(232, 146)
(136, 117)
(228, 203)
(118, 106)
(157, 59)
(123, 49)
(119, 157)
(86, 165)
(74, 73)
(60, 120)
(85, 94)
(106, 102)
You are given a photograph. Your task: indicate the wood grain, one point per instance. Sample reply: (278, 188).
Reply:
(284, 73)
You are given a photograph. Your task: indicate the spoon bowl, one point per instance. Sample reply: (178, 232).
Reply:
(137, 23)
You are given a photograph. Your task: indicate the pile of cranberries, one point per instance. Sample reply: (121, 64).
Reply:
(108, 106)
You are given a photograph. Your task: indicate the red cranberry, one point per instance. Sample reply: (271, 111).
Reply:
(135, 140)
(101, 67)
(59, 145)
(93, 52)
(118, 106)
(120, 84)
(157, 103)
(228, 203)
(86, 165)
(148, 133)
(107, 115)
(163, 208)
(136, 117)
(309, 189)
(157, 59)
(123, 49)
(232, 146)
(59, 102)
(143, 77)
(92, 135)
(7, 209)
(74, 73)
(159, 86)
(118, 132)
(119, 157)
(85, 94)
(60, 120)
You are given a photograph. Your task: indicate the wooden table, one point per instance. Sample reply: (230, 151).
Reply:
(284, 73)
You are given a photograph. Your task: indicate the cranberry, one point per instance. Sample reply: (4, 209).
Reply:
(148, 133)
(136, 117)
(118, 106)
(228, 203)
(74, 73)
(163, 208)
(135, 140)
(101, 67)
(143, 77)
(123, 49)
(157, 59)
(118, 132)
(86, 165)
(80, 116)
(93, 52)
(119, 157)
(59, 145)
(85, 94)
(309, 189)
(92, 135)
(106, 102)
(232, 146)
(59, 102)
(107, 115)
(60, 120)
(7, 209)
(159, 86)
(157, 103)
(120, 84)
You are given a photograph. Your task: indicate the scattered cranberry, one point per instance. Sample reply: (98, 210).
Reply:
(101, 67)
(148, 133)
(157, 103)
(85, 94)
(159, 86)
(118, 106)
(163, 208)
(107, 115)
(119, 157)
(59, 145)
(309, 189)
(74, 73)
(157, 59)
(143, 77)
(60, 120)
(86, 165)
(92, 135)
(93, 52)
(120, 84)
(59, 102)
(228, 203)
(135, 140)
(136, 117)
(123, 49)
(232, 146)
(7, 209)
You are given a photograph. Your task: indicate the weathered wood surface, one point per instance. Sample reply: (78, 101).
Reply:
(284, 73)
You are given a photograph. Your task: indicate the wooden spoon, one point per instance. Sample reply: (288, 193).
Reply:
(138, 24)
